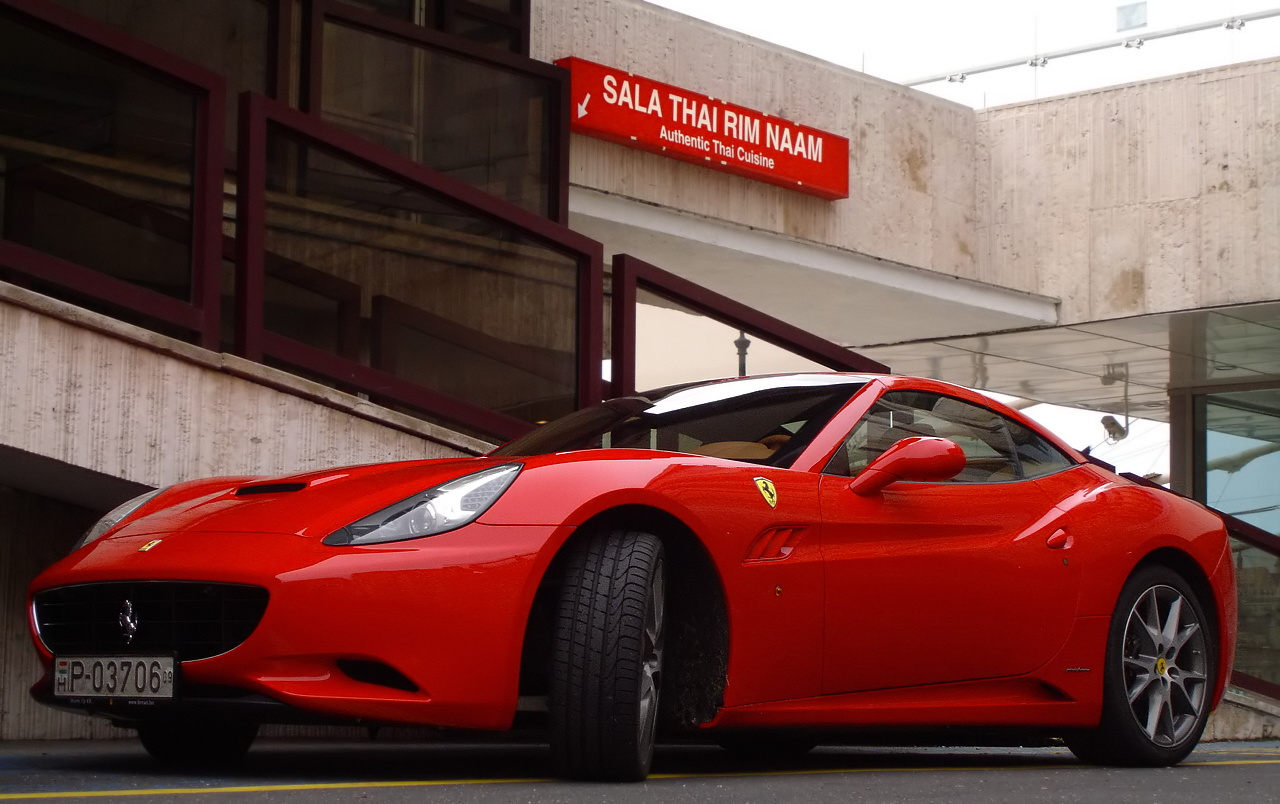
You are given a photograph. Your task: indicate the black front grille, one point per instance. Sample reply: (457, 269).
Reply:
(189, 619)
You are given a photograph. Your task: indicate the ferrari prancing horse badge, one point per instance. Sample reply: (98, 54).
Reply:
(767, 491)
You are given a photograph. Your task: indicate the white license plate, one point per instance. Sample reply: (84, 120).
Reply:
(113, 676)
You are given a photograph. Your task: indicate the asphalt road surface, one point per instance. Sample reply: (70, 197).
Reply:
(297, 771)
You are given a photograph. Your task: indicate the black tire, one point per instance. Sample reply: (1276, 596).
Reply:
(1160, 672)
(197, 743)
(606, 658)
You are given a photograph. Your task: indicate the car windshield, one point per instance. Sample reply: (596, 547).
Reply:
(766, 420)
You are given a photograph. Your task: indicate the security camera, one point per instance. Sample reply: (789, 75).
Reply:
(1115, 430)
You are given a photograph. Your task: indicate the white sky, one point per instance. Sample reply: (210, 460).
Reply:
(910, 39)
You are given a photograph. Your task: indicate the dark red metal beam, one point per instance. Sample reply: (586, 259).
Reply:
(390, 389)
(630, 273)
(206, 213)
(279, 49)
(115, 45)
(251, 205)
(95, 284)
(1254, 684)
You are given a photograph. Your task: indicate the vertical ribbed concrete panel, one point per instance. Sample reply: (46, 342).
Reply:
(34, 532)
(911, 195)
(1146, 198)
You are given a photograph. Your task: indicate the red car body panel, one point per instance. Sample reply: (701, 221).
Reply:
(923, 604)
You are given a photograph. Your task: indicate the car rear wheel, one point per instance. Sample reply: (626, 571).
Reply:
(1159, 678)
(197, 743)
(606, 658)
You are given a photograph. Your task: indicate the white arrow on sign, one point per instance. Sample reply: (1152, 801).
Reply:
(582, 107)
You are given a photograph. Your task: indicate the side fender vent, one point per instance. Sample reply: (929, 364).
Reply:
(775, 544)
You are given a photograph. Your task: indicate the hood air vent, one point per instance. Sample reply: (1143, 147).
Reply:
(269, 488)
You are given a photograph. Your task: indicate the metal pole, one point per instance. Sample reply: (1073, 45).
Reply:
(742, 342)
(1041, 59)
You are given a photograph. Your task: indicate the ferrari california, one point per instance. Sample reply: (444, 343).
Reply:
(769, 563)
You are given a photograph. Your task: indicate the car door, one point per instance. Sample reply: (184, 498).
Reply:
(930, 583)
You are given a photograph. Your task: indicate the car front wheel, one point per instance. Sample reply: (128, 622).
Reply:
(606, 657)
(1159, 678)
(197, 744)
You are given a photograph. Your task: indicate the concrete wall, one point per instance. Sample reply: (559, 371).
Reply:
(101, 395)
(911, 154)
(1152, 197)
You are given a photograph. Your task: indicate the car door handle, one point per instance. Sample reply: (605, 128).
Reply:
(1059, 540)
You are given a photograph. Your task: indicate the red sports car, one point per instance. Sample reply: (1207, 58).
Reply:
(770, 562)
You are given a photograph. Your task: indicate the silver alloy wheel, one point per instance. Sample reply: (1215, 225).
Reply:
(1165, 670)
(651, 669)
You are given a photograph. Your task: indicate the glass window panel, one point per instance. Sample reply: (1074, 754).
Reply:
(486, 32)
(453, 17)
(1036, 455)
(1241, 463)
(481, 124)
(229, 37)
(459, 304)
(93, 147)
(302, 314)
(675, 345)
(505, 6)
(405, 10)
(981, 433)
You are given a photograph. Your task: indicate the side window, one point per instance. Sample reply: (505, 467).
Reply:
(994, 447)
(895, 416)
(984, 437)
(1037, 456)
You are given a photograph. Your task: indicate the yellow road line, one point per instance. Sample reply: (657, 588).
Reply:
(285, 788)
(1233, 762)
(264, 788)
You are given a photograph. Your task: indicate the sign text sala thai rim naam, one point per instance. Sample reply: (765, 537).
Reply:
(631, 110)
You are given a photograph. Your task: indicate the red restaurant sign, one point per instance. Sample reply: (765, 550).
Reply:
(620, 107)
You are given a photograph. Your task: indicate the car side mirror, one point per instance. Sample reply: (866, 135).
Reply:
(918, 459)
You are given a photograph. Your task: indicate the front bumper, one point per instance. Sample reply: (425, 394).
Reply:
(439, 620)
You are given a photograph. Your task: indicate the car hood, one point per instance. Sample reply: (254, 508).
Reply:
(310, 505)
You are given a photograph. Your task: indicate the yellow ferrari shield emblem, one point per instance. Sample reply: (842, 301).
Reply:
(767, 491)
(144, 548)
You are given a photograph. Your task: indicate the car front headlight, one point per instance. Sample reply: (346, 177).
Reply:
(114, 517)
(438, 509)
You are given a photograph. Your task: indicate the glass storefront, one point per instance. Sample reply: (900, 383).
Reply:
(483, 124)
(1241, 461)
(378, 271)
(93, 146)
(229, 37)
